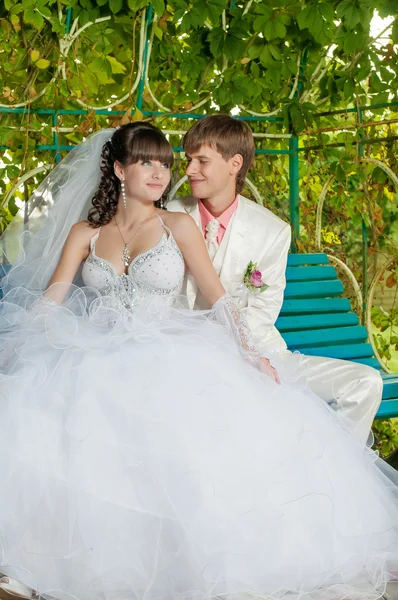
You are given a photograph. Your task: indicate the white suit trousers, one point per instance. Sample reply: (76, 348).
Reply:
(351, 388)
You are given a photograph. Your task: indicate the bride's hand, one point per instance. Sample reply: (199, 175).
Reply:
(265, 367)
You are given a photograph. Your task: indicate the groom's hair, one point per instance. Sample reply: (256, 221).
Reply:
(228, 136)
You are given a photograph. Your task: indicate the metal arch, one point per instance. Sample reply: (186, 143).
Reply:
(65, 44)
(176, 187)
(381, 270)
(322, 197)
(350, 275)
(368, 313)
(21, 180)
(384, 168)
(319, 212)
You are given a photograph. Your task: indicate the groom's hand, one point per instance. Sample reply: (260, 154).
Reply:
(265, 367)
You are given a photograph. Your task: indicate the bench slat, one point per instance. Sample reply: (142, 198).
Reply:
(387, 409)
(322, 337)
(370, 362)
(302, 322)
(295, 260)
(346, 351)
(390, 385)
(314, 289)
(310, 273)
(315, 305)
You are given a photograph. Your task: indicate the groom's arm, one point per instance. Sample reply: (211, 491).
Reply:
(265, 307)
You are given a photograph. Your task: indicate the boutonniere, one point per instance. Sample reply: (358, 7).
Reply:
(253, 279)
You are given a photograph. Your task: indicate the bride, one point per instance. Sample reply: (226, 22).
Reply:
(147, 451)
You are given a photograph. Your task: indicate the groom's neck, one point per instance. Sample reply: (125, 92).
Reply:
(218, 204)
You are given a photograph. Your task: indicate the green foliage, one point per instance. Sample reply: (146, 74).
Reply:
(199, 47)
(385, 436)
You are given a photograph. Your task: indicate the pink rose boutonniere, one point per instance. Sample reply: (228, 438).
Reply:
(253, 279)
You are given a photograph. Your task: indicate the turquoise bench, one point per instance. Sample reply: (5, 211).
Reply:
(317, 321)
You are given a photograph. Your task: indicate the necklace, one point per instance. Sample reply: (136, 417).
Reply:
(126, 257)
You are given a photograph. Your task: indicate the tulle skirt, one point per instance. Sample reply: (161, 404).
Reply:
(143, 458)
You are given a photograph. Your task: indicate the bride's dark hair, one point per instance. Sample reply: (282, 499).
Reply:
(129, 144)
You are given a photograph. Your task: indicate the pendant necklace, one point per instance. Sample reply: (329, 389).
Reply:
(126, 257)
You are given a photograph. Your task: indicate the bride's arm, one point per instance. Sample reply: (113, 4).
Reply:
(75, 250)
(192, 245)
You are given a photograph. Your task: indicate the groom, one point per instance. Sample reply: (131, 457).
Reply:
(220, 150)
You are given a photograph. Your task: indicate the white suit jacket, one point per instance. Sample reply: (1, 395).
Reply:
(253, 234)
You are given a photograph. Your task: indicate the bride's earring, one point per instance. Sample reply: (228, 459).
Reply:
(123, 186)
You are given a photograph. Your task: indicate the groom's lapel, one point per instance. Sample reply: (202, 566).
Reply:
(232, 251)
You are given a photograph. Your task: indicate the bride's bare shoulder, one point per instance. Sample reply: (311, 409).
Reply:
(84, 228)
(185, 230)
(175, 219)
(82, 232)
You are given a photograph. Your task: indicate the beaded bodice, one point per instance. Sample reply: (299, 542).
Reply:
(156, 273)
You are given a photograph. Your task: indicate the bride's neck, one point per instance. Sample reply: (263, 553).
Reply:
(134, 213)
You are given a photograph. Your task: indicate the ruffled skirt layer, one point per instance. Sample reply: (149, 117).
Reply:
(144, 459)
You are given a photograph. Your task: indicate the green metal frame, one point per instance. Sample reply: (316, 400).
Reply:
(293, 151)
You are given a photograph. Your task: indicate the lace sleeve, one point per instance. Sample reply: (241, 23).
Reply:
(229, 315)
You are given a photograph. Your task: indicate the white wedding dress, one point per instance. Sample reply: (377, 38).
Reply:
(142, 458)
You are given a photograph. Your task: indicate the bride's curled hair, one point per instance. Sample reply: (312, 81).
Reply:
(129, 144)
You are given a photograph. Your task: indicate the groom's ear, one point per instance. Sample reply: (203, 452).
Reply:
(236, 163)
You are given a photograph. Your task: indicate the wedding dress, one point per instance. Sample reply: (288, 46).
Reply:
(144, 456)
